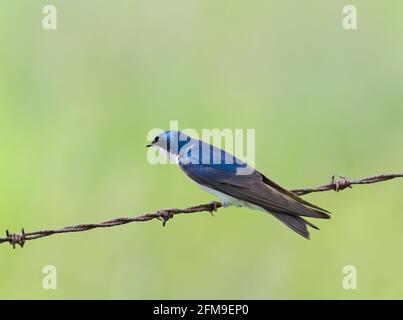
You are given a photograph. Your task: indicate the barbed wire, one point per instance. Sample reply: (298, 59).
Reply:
(166, 214)
(344, 183)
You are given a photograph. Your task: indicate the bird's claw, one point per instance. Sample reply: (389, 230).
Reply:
(341, 184)
(213, 207)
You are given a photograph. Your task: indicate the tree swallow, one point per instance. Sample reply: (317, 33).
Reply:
(236, 183)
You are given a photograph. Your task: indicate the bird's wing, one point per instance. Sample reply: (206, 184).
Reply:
(254, 188)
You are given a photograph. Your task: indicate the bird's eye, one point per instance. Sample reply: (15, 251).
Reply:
(156, 139)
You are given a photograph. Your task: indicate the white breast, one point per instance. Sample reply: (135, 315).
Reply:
(227, 200)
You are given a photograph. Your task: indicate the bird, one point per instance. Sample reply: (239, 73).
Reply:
(235, 183)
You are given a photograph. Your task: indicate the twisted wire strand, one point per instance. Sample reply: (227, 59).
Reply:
(166, 214)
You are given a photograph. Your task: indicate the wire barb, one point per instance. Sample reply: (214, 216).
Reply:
(342, 184)
(166, 214)
(14, 238)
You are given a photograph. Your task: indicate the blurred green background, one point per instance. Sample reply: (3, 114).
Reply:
(76, 105)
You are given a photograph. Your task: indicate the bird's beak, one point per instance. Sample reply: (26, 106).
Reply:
(149, 145)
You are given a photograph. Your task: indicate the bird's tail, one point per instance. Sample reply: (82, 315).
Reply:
(296, 223)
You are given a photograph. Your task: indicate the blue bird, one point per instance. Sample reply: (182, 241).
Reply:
(236, 183)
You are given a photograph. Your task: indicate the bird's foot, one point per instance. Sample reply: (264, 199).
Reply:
(341, 184)
(214, 205)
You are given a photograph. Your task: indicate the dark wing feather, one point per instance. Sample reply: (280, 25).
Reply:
(290, 194)
(295, 223)
(254, 188)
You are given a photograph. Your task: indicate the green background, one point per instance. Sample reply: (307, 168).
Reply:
(76, 105)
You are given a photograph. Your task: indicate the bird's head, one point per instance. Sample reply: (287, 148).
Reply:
(170, 141)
